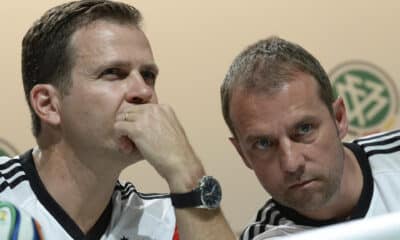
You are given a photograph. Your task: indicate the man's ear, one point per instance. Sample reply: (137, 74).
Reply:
(340, 117)
(236, 144)
(44, 99)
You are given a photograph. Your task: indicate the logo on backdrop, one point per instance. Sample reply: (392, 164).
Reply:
(7, 149)
(370, 95)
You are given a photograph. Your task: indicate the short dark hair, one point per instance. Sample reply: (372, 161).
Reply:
(266, 66)
(46, 51)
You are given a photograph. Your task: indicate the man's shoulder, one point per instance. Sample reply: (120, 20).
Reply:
(12, 173)
(383, 153)
(270, 222)
(382, 150)
(378, 141)
(6, 160)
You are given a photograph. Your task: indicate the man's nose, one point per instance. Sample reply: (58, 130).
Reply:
(291, 157)
(138, 92)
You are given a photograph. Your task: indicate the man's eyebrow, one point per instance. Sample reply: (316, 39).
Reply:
(113, 63)
(304, 119)
(126, 64)
(252, 137)
(150, 67)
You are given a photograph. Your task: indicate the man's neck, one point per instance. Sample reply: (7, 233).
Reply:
(81, 183)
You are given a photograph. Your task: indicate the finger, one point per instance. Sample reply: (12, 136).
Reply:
(127, 116)
(125, 128)
(131, 113)
(123, 116)
(124, 134)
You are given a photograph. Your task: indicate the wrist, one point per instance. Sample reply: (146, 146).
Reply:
(207, 195)
(185, 181)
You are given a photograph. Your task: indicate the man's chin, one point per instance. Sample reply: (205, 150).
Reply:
(313, 201)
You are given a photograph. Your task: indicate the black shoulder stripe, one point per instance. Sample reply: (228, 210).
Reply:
(127, 191)
(260, 214)
(360, 140)
(18, 180)
(12, 172)
(9, 170)
(149, 196)
(126, 195)
(9, 163)
(125, 188)
(118, 187)
(145, 196)
(264, 215)
(252, 232)
(265, 211)
(277, 219)
(382, 142)
(128, 188)
(262, 228)
(12, 184)
(383, 151)
(261, 211)
(267, 215)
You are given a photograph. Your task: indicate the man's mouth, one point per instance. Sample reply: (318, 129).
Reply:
(300, 184)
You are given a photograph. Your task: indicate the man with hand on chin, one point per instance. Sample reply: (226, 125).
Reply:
(89, 78)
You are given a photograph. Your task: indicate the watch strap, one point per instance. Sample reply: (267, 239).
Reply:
(186, 200)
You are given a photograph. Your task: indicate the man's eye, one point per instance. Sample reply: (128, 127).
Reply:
(304, 129)
(262, 144)
(149, 77)
(113, 74)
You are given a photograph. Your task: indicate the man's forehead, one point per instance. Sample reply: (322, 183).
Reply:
(104, 27)
(265, 85)
(107, 44)
(112, 42)
(296, 99)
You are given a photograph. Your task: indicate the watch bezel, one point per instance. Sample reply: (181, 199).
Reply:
(210, 192)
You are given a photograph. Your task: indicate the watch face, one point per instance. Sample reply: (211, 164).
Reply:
(210, 192)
